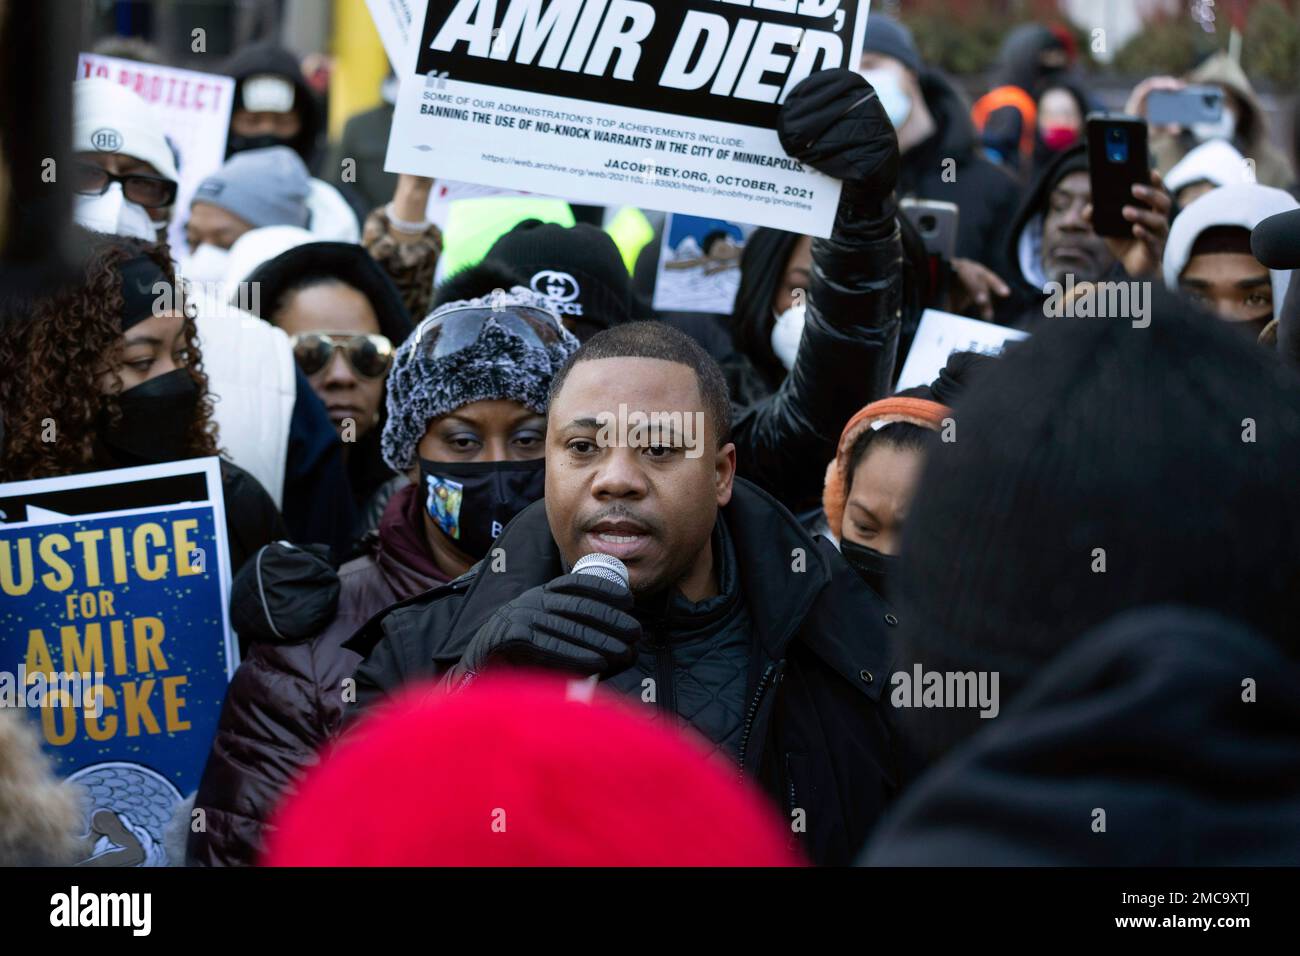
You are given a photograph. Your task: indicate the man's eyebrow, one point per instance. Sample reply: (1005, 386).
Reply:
(1072, 193)
(583, 423)
(1196, 283)
(1254, 283)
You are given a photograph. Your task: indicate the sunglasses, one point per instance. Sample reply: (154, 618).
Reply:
(152, 192)
(450, 332)
(369, 355)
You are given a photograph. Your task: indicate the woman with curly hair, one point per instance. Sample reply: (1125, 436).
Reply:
(93, 377)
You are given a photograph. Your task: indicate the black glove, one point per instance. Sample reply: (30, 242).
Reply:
(577, 623)
(286, 593)
(834, 122)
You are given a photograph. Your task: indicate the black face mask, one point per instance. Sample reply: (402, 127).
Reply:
(242, 144)
(157, 420)
(473, 501)
(876, 569)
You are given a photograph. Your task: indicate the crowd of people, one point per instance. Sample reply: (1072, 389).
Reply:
(1092, 525)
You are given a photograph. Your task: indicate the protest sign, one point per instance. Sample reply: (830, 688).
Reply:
(669, 105)
(194, 108)
(397, 22)
(699, 265)
(942, 333)
(115, 638)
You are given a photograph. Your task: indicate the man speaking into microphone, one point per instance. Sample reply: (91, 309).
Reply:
(737, 624)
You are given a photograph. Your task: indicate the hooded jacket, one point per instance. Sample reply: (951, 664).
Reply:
(332, 219)
(287, 697)
(1148, 719)
(1006, 117)
(782, 672)
(1216, 162)
(269, 58)
(1272, 168)
(1020, 259)
(985, 194)
(1018, 59)
(1245, 205)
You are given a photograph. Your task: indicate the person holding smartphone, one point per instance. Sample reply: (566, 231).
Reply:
(1242, 122)
(1052, 237)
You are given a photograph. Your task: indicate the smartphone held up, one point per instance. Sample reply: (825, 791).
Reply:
(1118, 160)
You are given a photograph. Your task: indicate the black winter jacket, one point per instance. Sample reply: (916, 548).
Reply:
(1022, 241)
(845, 361)
(286, 699)
(1147, 719)
(811, 729)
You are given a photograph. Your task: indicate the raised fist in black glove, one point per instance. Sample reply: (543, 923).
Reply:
(835, 122)
(577, 623)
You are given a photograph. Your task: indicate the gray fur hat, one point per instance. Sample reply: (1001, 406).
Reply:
(499, 364)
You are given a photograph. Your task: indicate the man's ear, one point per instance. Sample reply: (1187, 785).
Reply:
(724, 472)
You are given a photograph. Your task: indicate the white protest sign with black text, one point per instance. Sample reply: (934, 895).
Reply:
(662, 104)
(194, 110)
(942, 333)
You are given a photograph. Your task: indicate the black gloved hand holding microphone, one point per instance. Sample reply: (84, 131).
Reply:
(577, 623)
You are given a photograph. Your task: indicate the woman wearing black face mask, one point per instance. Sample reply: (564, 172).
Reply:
(869, 485)
(117, 382)
(466, 400)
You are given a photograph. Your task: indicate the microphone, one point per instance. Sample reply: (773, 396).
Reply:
(604, 566)
(1275, 242)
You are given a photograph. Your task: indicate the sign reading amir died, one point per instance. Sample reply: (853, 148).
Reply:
(663, 104)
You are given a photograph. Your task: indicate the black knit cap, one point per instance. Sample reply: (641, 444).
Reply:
(1094, 434)
(345, 261)
(578, 268)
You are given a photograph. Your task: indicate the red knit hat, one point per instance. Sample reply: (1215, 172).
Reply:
(512, 772)
(914, 411)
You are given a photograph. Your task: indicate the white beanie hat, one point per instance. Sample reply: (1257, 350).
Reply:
(1245, 205)
(1216, 162)
(108, 117)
